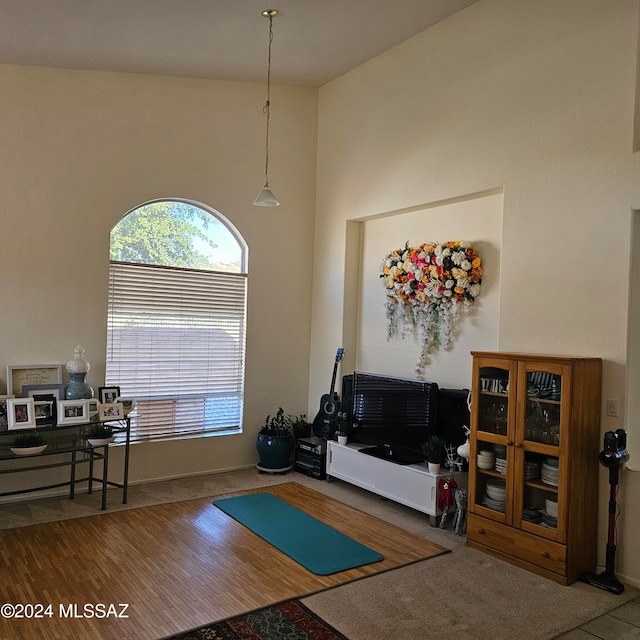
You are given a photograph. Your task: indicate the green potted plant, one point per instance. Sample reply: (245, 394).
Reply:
(342, 427)
(301, 426)
(434, 449)
(275, 443)
(100, 435)
(28, 444)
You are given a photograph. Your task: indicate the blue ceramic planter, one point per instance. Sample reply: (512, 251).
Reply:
(274, 451)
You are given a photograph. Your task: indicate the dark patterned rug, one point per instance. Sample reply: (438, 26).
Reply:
(289, 620)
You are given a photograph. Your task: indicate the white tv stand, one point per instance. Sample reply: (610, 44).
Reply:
(411, 485)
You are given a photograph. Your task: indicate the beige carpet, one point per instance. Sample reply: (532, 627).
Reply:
(464, 595)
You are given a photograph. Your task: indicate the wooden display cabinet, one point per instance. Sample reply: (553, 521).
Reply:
(533, 467)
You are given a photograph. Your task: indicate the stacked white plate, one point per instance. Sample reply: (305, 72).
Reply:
(549, 521)
(496, 505)
(486, 459)
(501, 465)
(531, 514)
(496, 492)
(551, 507)
(549, 471)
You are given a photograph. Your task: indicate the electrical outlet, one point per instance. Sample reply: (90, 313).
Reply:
(612, 408)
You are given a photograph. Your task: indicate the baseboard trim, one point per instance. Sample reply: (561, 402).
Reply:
(82, 487)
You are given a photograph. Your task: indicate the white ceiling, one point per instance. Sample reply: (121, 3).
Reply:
(314, 41)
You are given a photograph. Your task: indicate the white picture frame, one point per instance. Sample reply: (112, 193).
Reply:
(28, 374)
(21, 413)
(94, 407)
(110, 411)
(73, 412)
(3, 408)
(129, 404)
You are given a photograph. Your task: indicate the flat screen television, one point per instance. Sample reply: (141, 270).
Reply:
(396, 415)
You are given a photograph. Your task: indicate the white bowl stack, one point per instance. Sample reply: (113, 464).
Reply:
(486, 460)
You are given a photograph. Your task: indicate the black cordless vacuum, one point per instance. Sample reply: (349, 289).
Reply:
(613, 456)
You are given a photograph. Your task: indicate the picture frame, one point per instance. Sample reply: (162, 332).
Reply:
(45, 409)
(20, 413)
(94, 406)
(110, 411)
(3, 408)
(31, 390)
(128, 404)
(18, 375)
(73, 412)
(108, 395)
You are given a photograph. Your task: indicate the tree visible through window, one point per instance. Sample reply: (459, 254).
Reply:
(177, 318)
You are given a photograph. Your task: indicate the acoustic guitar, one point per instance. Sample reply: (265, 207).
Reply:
(324, 424)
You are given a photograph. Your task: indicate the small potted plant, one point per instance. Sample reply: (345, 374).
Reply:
(301, 426)
(100, 435)
(342, 427)
(28, 444)
(275, 443)
(434, 449)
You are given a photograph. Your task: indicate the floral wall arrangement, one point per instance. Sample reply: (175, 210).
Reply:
(428, 289)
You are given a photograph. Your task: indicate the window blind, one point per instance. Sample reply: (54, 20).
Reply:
(176, 343)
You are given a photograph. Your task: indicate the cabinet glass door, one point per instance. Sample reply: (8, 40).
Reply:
(493, 407)
(542, 419)
(537, 447)
(492, 422)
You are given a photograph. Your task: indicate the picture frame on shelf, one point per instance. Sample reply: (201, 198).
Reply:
(73, 412)
(19, 375)
(44, 409)
(3, 408)
(108, 395)
(20, 413)
(31, 390)
(110, 411)
(94, 406)
(128, 404)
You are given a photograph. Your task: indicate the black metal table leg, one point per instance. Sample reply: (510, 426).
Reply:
(105, 474)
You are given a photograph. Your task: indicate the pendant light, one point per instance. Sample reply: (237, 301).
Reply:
(266, 198)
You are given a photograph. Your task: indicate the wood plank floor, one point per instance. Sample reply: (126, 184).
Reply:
(178, 566)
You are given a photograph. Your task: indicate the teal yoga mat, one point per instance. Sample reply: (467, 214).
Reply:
(316, 546)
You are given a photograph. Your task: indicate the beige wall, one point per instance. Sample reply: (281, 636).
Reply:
(476, 219)
(80, 149)
(536, 99)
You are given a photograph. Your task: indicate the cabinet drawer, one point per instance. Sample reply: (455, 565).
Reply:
(519, 544)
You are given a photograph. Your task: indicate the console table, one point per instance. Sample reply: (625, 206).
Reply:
(412, 484)
(67, 446)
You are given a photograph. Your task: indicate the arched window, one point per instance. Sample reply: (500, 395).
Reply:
(176, 327)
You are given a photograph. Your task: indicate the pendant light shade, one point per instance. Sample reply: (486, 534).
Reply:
(266, 198)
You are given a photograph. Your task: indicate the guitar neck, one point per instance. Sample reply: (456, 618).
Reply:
(333, 380)
(339, 354)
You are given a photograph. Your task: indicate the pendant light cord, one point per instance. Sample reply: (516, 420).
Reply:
(267, 106)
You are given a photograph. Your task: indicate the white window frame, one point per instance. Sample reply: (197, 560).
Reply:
(191, 324)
